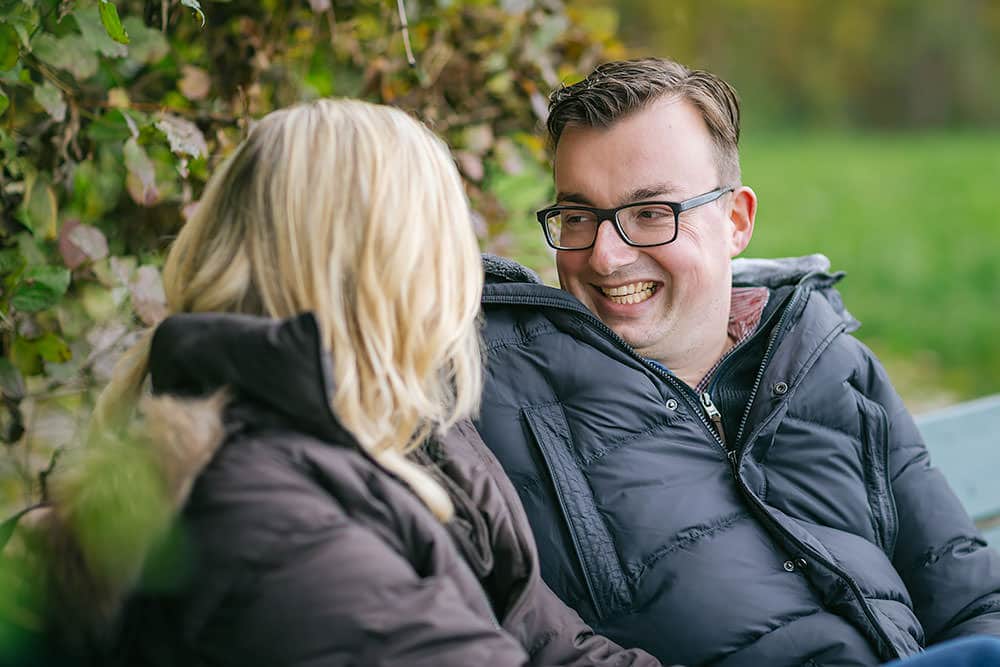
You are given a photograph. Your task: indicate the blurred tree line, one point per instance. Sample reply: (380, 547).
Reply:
(851, 63)
(114, 114)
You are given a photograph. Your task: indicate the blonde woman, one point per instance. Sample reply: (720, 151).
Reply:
(308, 435)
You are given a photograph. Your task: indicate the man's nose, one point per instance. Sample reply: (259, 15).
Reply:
(610, 252)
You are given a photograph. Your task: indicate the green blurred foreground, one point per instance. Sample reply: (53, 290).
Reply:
(913, 221)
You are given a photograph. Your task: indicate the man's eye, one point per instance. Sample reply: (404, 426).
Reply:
(653, 215)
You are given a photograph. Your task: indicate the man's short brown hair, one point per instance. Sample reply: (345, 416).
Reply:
(616, 89)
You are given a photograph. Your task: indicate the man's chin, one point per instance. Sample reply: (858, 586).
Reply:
(638, 341)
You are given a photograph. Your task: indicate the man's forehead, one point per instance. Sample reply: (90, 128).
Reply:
(661, 152)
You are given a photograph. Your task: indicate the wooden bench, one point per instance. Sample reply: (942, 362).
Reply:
(964, 443)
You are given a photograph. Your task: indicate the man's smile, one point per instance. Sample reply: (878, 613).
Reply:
(629, 293)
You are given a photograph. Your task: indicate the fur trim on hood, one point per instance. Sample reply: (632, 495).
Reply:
(111, 503)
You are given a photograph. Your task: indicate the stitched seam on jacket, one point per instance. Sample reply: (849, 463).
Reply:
(756, 638)
(934, 554)
(690, 536)
(544, 640)
(888, 596)
(521, 337)
(592, 540)
(877, 471)
(615, 444)
(824, 427)
(965, 616)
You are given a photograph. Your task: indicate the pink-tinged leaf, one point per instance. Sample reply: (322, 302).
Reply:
(470, 164)
(148, 298)
(478, 138)
(195, 83)
(91, 241)
(81, 243)
(121, 269)
(184, 136)
(141, 180)
(188, 210)
(539, 105)
(71, 255)
(508, 156)
(107, 343)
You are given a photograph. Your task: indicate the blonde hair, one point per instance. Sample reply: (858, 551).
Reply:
(356, 212)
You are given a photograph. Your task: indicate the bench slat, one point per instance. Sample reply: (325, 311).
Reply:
(964, 443)
(992, 536)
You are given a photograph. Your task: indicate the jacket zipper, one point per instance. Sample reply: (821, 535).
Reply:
(716, 417)
(709, 415)
(736, 459)
(765, 361)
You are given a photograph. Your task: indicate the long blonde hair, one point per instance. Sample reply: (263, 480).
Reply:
(353, 211)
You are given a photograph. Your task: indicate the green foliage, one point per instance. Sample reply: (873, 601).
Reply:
(112, 24)
(113, 114)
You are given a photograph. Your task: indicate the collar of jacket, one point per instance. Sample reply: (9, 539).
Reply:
(279, 365)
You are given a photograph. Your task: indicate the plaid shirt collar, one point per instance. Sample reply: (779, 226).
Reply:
(745, 310)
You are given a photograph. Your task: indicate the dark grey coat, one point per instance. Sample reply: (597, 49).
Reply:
(819, 533)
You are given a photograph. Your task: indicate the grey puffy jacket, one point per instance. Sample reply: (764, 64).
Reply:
(818, 534)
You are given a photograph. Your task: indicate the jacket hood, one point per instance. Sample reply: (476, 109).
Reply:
(502, 270)
(278, 364)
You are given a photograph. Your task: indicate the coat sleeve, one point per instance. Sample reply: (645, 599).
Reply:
(348, 599)
(952, 575)
(563, 638)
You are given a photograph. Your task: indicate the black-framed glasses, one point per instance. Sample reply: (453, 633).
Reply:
(642, 224)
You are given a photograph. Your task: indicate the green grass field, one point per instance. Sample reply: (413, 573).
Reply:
(914, 220)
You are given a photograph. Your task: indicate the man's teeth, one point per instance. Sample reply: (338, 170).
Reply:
(631, 293)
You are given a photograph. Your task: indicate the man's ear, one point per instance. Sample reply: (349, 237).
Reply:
(741, 218)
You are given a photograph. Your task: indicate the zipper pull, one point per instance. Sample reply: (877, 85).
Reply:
(716, 417)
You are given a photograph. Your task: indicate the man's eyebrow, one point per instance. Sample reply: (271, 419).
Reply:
(657, 191)
(573, 198)
(646, 192)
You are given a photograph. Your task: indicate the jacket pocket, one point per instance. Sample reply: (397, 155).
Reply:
(592, 542)
(875, 438)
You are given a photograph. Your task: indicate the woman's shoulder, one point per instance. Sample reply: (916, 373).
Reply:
(264, 488)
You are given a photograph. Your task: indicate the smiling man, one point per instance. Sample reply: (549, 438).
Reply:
(714, 468)
(661, 280)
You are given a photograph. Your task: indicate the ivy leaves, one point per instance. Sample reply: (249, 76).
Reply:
(40, 287)
(113, 113)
